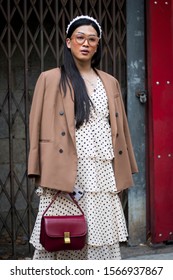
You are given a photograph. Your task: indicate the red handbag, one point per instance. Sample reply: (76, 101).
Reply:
(63, 232)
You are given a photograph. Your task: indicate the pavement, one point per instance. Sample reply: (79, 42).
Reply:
(147, 252)
(143, 251)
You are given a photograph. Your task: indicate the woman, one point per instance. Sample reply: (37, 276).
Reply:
(80, 141)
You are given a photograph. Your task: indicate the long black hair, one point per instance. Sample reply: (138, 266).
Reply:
(70, 76)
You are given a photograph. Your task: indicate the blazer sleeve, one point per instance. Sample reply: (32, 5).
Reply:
(34, 127)
(133, 164)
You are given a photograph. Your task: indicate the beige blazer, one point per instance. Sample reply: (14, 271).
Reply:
(52, 155)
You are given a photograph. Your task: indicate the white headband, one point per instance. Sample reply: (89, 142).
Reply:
(85, 17)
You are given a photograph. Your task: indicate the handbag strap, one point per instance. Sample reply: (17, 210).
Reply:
(54, 198)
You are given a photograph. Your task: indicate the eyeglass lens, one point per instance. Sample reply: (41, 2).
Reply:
(92, 40)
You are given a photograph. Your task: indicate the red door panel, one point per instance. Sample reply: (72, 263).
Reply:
(160, 119)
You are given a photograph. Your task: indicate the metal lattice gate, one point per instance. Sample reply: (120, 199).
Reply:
(31, 40)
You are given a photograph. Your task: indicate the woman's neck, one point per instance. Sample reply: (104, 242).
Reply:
(85, 72)
(84, 68)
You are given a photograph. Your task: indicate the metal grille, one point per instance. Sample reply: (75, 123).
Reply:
(32, 35)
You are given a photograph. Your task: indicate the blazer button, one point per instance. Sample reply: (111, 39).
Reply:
(116, 114)
(60, 151)
(61, 113)
(120, 152)
(117, 135)
(63, 133)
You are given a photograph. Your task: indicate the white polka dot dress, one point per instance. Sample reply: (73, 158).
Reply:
(100, 202)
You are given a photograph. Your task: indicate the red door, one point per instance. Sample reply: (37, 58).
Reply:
(160, 119)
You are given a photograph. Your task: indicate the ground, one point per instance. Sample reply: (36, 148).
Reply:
(127, 252)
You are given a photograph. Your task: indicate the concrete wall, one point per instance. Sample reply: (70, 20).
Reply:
(136, 115)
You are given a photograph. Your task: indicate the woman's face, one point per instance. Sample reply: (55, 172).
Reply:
(83, 43)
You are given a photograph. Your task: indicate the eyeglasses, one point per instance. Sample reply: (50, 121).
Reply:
(81, 38)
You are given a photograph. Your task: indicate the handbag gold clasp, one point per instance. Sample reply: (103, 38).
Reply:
(66, 237)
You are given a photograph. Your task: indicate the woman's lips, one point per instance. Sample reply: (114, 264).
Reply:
(85, 52)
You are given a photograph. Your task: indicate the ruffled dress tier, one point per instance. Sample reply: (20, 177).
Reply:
(95, 177)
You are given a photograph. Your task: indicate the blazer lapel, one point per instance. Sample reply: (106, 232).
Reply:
(69, 112)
